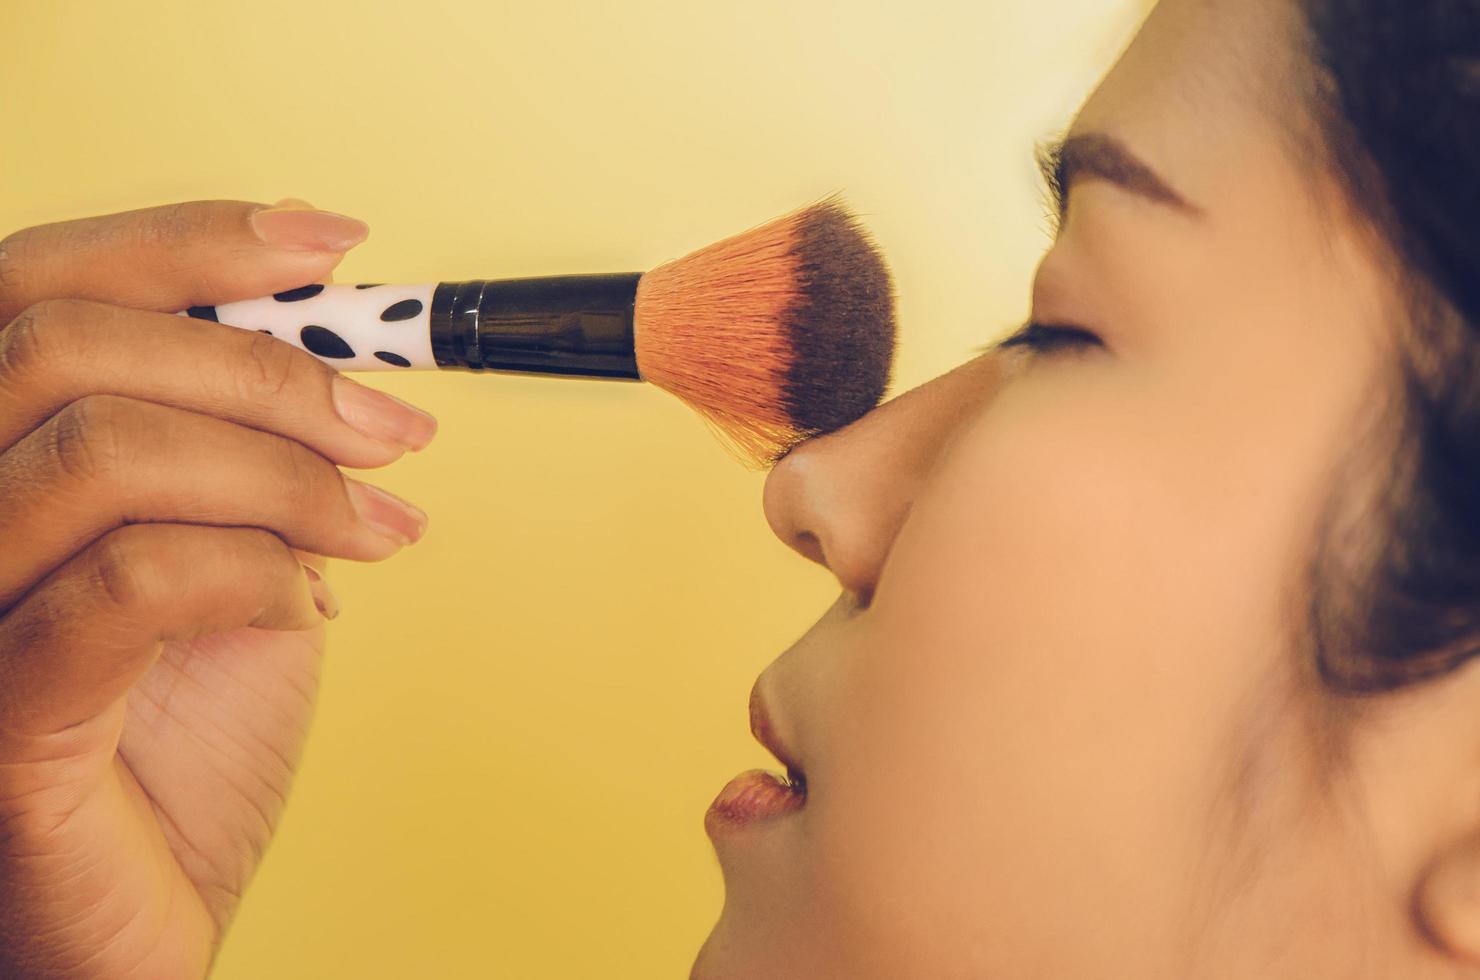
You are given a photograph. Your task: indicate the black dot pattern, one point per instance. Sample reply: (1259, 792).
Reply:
(325, 342)
(404, 310)
(301, 293)
(316, 324)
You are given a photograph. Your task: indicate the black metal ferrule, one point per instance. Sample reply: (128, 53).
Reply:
(565, 325)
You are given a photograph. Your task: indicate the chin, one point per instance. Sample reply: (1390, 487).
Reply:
(719, 959)
(760, 956)
(701, 968)
(716, 960)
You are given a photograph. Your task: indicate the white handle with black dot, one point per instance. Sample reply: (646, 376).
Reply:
(559, 325)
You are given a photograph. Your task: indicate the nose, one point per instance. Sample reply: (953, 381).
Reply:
(841, 499)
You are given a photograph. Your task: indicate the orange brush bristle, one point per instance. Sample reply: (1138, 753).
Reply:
(774, 335)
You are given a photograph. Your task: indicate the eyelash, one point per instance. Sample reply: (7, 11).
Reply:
(1043, 339)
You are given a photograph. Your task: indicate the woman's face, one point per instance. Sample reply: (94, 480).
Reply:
(1054, 725)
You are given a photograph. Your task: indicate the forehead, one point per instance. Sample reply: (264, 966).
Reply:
(1209, 95)
(1199, 89)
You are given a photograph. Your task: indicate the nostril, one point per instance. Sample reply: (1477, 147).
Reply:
(808, 545)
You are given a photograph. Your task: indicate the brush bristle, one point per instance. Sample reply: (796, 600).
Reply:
(774, 335)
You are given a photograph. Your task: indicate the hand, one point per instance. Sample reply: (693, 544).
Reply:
(164, 483)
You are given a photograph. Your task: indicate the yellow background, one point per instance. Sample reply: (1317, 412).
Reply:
(525, 715)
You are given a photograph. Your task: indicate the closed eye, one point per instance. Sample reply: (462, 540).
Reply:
(1044, 339)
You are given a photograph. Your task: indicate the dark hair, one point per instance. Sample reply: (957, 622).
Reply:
(1395, 579)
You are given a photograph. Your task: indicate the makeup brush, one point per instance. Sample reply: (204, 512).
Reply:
(774, 335)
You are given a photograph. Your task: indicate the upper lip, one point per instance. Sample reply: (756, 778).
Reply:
(765, 733)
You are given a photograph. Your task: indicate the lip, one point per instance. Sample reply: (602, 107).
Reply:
(756, 794)
(765, 732)
(752, 796)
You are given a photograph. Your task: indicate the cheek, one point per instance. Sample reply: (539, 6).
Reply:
(1059, 643)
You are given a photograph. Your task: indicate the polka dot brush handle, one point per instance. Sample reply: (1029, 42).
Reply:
(567, 326)
(369, 327)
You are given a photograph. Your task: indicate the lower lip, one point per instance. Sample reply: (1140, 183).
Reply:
(750, 797)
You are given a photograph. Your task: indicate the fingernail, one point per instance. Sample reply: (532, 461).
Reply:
(385, 513)
(299, 229)
(380, 416)
(323, 596)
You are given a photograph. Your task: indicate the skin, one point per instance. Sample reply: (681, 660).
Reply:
(166, 485)
(1056, 724)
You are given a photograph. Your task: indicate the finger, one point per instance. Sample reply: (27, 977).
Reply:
(176, 256)
(300, 203)
(63, 350)
(293, 202)
(106, 461)
(85, 634)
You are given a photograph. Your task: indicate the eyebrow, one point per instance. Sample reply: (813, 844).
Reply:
(1063, 161)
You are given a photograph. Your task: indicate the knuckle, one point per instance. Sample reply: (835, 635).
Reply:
(30, 341)
(302, 473)
(170, 225)
(269, 371)
(122, 564)
(21, 347)
(86, 437)
(13, 250)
